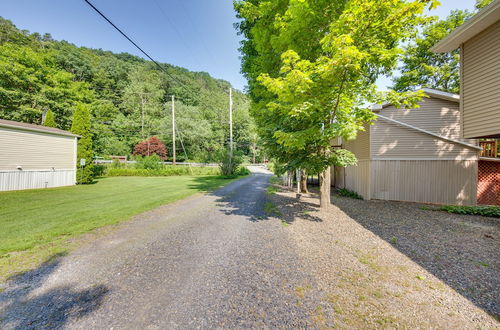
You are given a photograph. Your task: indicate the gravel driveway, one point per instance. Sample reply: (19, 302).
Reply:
(241, 257)
(214, 260)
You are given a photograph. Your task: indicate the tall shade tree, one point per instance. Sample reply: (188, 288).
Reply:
(318, 89)
(49, 119)
(142, 99)
(81, 126)
(420, 67)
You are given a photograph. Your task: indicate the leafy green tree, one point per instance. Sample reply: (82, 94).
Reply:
(81, 126)
(321, 86)
(49, 119)
(420, 67)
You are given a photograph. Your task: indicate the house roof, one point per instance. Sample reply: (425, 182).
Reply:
(36, 128)
(429, 92)
(397, 122)
(483, 19)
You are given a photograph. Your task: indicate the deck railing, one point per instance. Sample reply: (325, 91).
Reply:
(489, 148)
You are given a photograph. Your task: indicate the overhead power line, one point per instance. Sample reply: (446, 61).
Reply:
(136, 45)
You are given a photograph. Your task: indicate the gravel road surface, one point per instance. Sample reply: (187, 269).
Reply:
(213, 260)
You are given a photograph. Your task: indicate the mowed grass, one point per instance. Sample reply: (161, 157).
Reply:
(36, 225)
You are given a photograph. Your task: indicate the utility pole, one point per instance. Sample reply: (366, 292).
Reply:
(173, 129)
(231, 121)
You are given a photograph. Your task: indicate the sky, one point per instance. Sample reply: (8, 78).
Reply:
(195, 34)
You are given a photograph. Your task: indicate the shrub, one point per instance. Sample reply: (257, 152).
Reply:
(229, 166)
(151, 146)
(348, 193)
(49, 119)
(487, 211)
(152, 162)
(99, 170)
(81, 126)
(168, 170)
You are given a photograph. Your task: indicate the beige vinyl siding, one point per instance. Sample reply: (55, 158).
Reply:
(392, 141)
(481, 83)
(426, 181)
(357, 178)
(360, 146)
(35, 150)
(435, 115)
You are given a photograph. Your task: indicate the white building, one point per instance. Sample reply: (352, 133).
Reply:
(33, 156)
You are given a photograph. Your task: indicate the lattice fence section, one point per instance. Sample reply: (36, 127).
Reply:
(488, 185)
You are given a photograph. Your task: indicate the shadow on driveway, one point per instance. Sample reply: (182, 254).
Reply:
(22, 307)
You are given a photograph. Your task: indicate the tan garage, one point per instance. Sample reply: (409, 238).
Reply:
(414, 155)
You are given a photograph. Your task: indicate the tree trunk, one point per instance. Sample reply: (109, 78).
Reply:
(303, 182)
(324, 189)
(290, 179)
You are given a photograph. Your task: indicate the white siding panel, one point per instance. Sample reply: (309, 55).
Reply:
(481, 90)
(18, 180)
(35, 150)
(425, 181)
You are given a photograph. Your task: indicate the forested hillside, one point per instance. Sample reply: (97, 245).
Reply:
(129, 97)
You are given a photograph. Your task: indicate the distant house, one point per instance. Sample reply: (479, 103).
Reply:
(479, 43)
(414, 155)
(33, 156)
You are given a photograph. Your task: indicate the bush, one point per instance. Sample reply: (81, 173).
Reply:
(168, 170)
(486, 211)
(151, 146)
(99, 170)
(229, 166)
(348, 193)
(149, 163)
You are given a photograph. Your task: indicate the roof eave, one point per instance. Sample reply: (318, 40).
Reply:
(38, 130)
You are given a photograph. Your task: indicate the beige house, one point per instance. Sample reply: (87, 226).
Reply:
(479, 43)
(33, 156)
(414, 155)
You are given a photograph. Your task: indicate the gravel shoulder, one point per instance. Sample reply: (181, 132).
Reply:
(383, 264)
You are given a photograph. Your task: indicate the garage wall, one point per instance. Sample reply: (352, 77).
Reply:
(426, 181)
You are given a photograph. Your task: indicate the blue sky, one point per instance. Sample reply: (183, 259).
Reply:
(195, 34)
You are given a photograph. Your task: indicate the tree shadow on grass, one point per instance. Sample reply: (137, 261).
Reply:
(25, 304)
(462, 251)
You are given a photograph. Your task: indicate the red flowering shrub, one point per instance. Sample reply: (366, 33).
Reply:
(151, 146)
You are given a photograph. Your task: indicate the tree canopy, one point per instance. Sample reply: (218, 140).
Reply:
(128, 97)
(420, 67)
(312, 67)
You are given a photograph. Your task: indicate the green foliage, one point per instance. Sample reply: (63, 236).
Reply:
(49, 119)
(152, 162)
(129, 98)
(98, 170)
(423, 68)
(168, 170)
(312, 67)
(81, 126)
(487, 211)
(420, 67)
(229, 164)
(348, 193)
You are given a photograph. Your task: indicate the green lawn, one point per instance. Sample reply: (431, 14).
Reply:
(37, 224)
